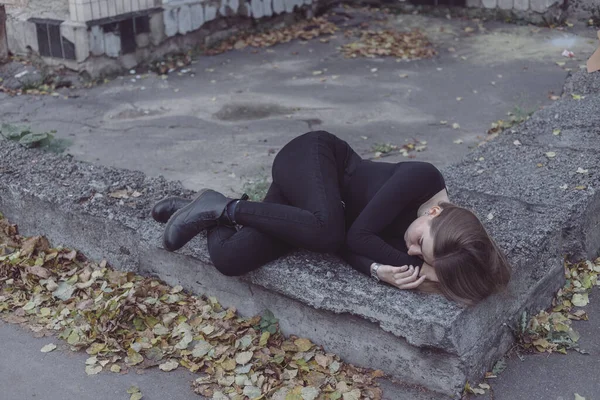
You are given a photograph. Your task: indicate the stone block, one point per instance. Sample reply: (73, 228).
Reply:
(184, 18)
(541, 6)
(112, 45)
(521, 5)
(77, 33)
(210, 12)
(197, 13)
(171, 21)
(489, 3)
(290, 4)
(112, 7)
(278, 6)
(473, 3)
(505, 4)
(257, 9)
(267, 8)
(157, 28)
(417, 338)
(96, 40)
(21, 34)
(234, 6)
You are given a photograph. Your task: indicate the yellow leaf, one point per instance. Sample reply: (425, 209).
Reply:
(229, 364)
(264, 338)
(244, 357)
(303, 344)
(48, 348)
(580, 299)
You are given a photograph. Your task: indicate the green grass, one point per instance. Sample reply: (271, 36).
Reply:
(257, 189)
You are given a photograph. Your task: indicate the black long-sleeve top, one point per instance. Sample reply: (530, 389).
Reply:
(382, 200)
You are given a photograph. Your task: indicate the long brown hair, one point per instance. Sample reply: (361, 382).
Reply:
(468, 263)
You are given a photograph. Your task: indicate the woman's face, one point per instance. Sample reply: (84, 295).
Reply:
(419, 241)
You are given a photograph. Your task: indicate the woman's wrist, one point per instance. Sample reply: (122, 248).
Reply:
(374, 269)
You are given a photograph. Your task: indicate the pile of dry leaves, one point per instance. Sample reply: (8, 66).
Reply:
(123, 320)
(303, 30)
(551, 331)
(403, 45)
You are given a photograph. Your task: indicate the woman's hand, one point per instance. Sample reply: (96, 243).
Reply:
(405, 277)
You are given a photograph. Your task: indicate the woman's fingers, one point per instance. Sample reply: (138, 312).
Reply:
(402, 272)
(407, 277)
(404, 268)
(414, 284)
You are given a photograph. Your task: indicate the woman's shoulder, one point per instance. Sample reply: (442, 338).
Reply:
(422, 171)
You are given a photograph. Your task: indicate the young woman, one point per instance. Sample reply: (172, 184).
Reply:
(393, 222)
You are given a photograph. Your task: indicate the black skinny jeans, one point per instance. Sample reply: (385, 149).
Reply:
(302, 209)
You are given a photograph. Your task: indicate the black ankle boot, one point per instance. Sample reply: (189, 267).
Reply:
(164, 209)
(207, 210)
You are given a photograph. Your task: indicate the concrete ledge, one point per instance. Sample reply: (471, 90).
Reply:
(416, 338)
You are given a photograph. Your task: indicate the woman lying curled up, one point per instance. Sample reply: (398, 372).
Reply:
(393, 222)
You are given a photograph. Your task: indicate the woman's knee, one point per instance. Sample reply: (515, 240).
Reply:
(328, 239)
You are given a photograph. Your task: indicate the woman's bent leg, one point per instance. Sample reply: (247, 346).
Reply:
(307, 171)
(235, 253)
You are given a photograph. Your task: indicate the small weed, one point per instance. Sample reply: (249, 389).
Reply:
(257, 189)
(27, 138)
(516, 116)
(383, 148)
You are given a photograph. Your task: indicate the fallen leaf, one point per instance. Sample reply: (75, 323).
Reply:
(48, 348)
(550, 154)
(309, 393)
(91, 361)
(252, 392)
(455, 126)
(581, 171)
(352, 395)
(169, 365)
(244, 357)
(580, 299)
(115, 368)
(517, 142)
(556, 132)
(457, 141)
(303, 344)
(93, 369)
(578, 397)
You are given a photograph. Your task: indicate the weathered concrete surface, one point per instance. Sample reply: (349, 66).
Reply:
(28, 373)
(554, 376)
